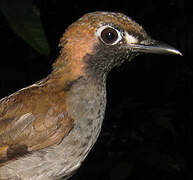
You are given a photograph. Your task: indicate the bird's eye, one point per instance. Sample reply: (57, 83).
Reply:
(109, 35)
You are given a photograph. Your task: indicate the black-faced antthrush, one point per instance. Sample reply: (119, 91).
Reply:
(47, 129)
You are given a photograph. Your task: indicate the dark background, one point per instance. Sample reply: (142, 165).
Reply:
(148, 130)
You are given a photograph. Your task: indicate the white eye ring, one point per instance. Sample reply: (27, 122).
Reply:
(100, 30)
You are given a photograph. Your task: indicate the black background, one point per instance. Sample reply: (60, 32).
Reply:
(148, 130)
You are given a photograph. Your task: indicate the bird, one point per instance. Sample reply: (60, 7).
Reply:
(48, 128)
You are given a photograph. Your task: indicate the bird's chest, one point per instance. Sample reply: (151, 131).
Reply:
(86, 105)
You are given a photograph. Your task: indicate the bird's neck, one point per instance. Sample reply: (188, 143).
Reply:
(66, 72)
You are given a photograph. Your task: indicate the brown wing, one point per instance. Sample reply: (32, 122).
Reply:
(31, 120)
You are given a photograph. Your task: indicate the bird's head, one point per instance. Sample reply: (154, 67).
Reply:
(98, 41)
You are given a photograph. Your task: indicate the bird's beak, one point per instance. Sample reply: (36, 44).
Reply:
(154, 47)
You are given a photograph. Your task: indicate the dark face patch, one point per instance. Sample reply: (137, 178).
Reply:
(105, 58)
